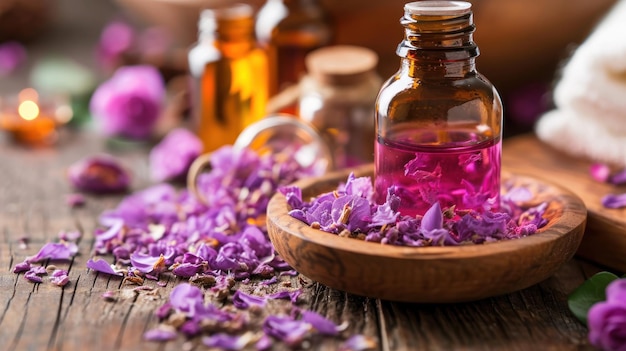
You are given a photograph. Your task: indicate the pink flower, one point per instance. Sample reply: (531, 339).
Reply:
(129, 104)
(116, 39)
(607, 319)
(12, 55)
(600, 172)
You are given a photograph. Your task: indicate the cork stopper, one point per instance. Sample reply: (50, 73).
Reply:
(437, 8)
(341, 64)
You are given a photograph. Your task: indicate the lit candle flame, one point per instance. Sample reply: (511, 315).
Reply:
(28, 108)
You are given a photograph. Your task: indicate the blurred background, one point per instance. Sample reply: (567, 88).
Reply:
(523, 43)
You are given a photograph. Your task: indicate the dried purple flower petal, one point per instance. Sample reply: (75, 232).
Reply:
(271, 281)
(22, 267)
(33, 276)
(291, 295)
(432, 226)
(187, 270)
(171, 158)
(618, 178)
(517, 195)
(322, 324)
(387, 213)
(154, 41)
(293, 194)
(143, 262)
(39, 270)
(244, 301)
(359, 342)
(187, 298)
(12, 55)
(191, 327)
(264, 343)
(600, 172)
(291, 272)
(55, 251)
(59, 277)
(290, 331)
(227, 342)
(75, 200)
(99, 174)
(72, 235)
(533, 215)
(115, 39)
(109, 295)
(160, 333)
(102, 266)
(351, 211)
(129, 103)
(361, 186)
(614, 200)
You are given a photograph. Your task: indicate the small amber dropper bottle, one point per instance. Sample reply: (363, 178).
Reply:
(230, 74)
(289, 30)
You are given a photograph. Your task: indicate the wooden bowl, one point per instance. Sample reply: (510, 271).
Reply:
(428, 274)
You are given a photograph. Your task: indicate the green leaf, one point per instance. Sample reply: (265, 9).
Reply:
(589, 293)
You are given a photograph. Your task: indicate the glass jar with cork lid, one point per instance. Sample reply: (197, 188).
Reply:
(338, 97)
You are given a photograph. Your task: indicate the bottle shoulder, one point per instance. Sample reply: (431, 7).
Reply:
(403, 87)
(201, 54)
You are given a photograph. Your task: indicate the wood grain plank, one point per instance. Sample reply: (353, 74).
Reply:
(534, 318)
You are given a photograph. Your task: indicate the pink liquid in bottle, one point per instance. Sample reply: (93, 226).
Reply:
(464, 172)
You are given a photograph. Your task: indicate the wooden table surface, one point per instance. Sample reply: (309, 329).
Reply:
(43, 316)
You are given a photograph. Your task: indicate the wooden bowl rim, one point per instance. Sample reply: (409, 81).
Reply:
(332, 241)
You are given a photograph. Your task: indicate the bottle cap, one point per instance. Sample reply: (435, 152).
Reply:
(211, 18)
(437, 8)
(341, 64)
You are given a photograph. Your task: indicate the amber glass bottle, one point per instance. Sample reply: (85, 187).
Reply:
(230, 74)
(438, 121)
(288, 30)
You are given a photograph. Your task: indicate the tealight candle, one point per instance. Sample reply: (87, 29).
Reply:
(31, 119)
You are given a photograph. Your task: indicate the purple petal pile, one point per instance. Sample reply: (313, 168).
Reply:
(216, 246)
(350, 211)
(128, 105)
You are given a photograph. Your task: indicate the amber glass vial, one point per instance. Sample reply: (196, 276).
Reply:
(438, 121)
(230, 74)
(289, 30)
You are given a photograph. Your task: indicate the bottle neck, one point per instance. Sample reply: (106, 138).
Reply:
(436, 44)
(300, 3)
(230, 25)
(234, 35)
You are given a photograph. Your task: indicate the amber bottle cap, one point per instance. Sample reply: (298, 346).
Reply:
(341, 64)
(437, 8)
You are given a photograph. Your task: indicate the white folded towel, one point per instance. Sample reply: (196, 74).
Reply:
(590, 98)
